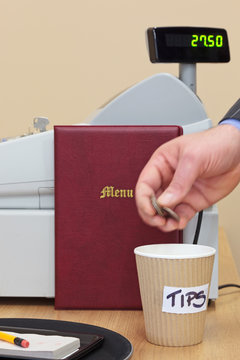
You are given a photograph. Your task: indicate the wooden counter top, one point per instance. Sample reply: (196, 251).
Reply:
(222, 330)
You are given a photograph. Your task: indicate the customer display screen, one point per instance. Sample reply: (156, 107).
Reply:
(188, 44)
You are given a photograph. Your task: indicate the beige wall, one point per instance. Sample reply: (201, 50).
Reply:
(64, 58)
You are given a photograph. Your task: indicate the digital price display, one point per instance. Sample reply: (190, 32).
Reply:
(188, 44)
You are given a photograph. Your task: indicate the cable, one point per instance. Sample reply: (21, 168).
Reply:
(198, 228)
(195, 241)
(228, 285)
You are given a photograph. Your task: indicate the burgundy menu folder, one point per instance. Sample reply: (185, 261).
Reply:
(97, 225)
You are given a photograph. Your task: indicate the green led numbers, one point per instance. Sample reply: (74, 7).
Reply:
(211, 41)
(219, 41)
(203, 39)
(194, 40)
(207, 40)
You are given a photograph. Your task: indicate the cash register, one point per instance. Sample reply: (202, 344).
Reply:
(27, 163)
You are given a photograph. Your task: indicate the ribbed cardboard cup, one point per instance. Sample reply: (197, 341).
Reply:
(174, 282)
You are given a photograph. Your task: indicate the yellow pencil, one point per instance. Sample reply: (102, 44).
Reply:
(14, 340)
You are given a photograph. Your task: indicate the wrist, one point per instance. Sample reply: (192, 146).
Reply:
(233, 122)
(230, 135)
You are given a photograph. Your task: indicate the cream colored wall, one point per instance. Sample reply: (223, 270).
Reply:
(64, 58)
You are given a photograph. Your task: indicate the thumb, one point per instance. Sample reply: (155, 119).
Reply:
(186, 173)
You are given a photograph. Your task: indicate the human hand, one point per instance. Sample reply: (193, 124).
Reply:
(189, 174)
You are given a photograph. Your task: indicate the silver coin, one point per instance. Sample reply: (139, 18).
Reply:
(163, 210)
(158, 209)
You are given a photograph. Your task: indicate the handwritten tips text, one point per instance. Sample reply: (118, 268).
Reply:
(184, 300)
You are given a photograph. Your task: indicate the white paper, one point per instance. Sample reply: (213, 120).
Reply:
(41, 346)
(185, 300)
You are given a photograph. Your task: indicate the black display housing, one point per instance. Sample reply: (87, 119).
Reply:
(188, 45)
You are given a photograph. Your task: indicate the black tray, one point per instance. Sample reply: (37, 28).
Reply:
(88, 342)
(96, 343)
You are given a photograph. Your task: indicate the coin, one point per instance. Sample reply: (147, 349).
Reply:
(163, 210)
(158, 209)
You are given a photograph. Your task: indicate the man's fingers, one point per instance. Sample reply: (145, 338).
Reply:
(185, 213)
(184, 177)
(145, 208)
(143, 194)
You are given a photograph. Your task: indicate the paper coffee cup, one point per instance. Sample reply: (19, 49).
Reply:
(174, 282)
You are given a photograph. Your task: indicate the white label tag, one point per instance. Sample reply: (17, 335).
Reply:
(184, 300)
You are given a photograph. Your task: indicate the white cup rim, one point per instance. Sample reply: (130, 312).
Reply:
(174, 251)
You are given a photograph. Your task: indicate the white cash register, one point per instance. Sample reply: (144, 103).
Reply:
(27, 163)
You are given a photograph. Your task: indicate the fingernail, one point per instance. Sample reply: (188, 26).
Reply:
(165, 198)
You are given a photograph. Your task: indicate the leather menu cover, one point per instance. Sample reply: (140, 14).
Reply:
(97, 225)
